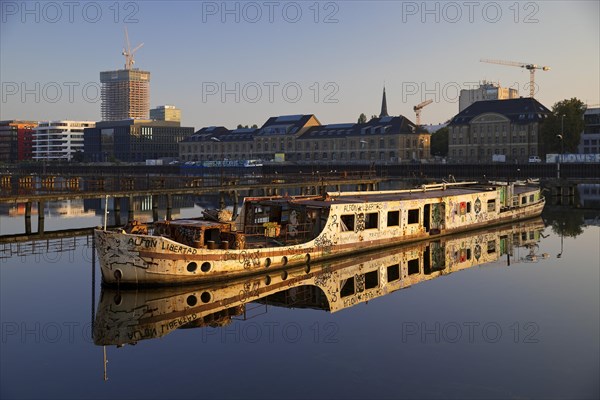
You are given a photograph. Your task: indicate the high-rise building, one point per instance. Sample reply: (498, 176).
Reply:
(16, 140)
(485, 91)
(125, 94)
(59, 140)
(165, 113)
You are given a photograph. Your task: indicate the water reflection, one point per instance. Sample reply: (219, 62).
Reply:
(128, 316)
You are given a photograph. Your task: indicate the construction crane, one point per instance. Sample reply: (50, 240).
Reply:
(529, 66)
(128, 53)
(418, 109)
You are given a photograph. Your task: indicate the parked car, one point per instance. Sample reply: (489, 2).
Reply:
(535, 159)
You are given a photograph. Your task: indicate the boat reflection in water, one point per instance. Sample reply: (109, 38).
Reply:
(128, 316)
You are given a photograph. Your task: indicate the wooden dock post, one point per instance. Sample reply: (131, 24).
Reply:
(154, 208)
(117, 210)
(169, 216)
(28, 218)
(41, 217)
(131, 214)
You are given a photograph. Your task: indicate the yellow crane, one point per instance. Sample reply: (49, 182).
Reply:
(529, 66)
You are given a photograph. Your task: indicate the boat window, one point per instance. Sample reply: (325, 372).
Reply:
(372, 221)
(371, 279)
(524, 200)
(413, 216)
(531, 198)
(491, 247)
(491, 205)
(393, 218)
(347, 223)
(468, 207)
(393, 273)
(347, 288)
(413, 266)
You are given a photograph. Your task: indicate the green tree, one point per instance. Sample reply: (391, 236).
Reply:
(566, 119)
(362, 118)
(254, 126)
(439, 142)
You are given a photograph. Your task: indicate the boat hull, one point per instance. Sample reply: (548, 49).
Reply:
(130, 259)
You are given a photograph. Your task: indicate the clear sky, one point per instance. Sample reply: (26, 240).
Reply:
(224, 63)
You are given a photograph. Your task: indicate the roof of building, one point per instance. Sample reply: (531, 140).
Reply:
(523, 110)
(221, 134)
(139, 122)
(285, 124)
(384, 125)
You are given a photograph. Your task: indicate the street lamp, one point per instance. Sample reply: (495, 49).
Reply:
(560, 156)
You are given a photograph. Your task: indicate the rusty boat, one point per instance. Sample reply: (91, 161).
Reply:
(278, 232)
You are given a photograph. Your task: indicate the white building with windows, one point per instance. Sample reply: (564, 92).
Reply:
(590, 137)
(59, 140)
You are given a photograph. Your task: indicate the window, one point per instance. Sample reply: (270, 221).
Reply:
(531, 198)
(468, 207)
(372, 221)
(371, 279)
(393, 218)
(413, 266)
(491, 205)
(524, 200)
(413, 216)
(347, 223)
(393, 273)
(491, 247)
(347, 288)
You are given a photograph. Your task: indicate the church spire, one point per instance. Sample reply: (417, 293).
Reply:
(384, 112)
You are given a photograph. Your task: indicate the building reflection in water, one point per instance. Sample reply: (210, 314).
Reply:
(128, 316)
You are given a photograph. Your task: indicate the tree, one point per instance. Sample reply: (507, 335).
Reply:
(374, 116)
(362, 118)
(570, 126)
(254, 126)
(439, 142)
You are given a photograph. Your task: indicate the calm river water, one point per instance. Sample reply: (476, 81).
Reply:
(511, 312)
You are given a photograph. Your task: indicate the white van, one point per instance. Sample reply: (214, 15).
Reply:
(535, 159)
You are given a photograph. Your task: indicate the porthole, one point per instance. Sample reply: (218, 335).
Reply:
(205, 297)
(284, 260)
(284, 275)
(118, 274)
(307, 258)
(192, 300)
(267, 280)
(205, 267)
(267, 262)
(307, 268)
(191, 267)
